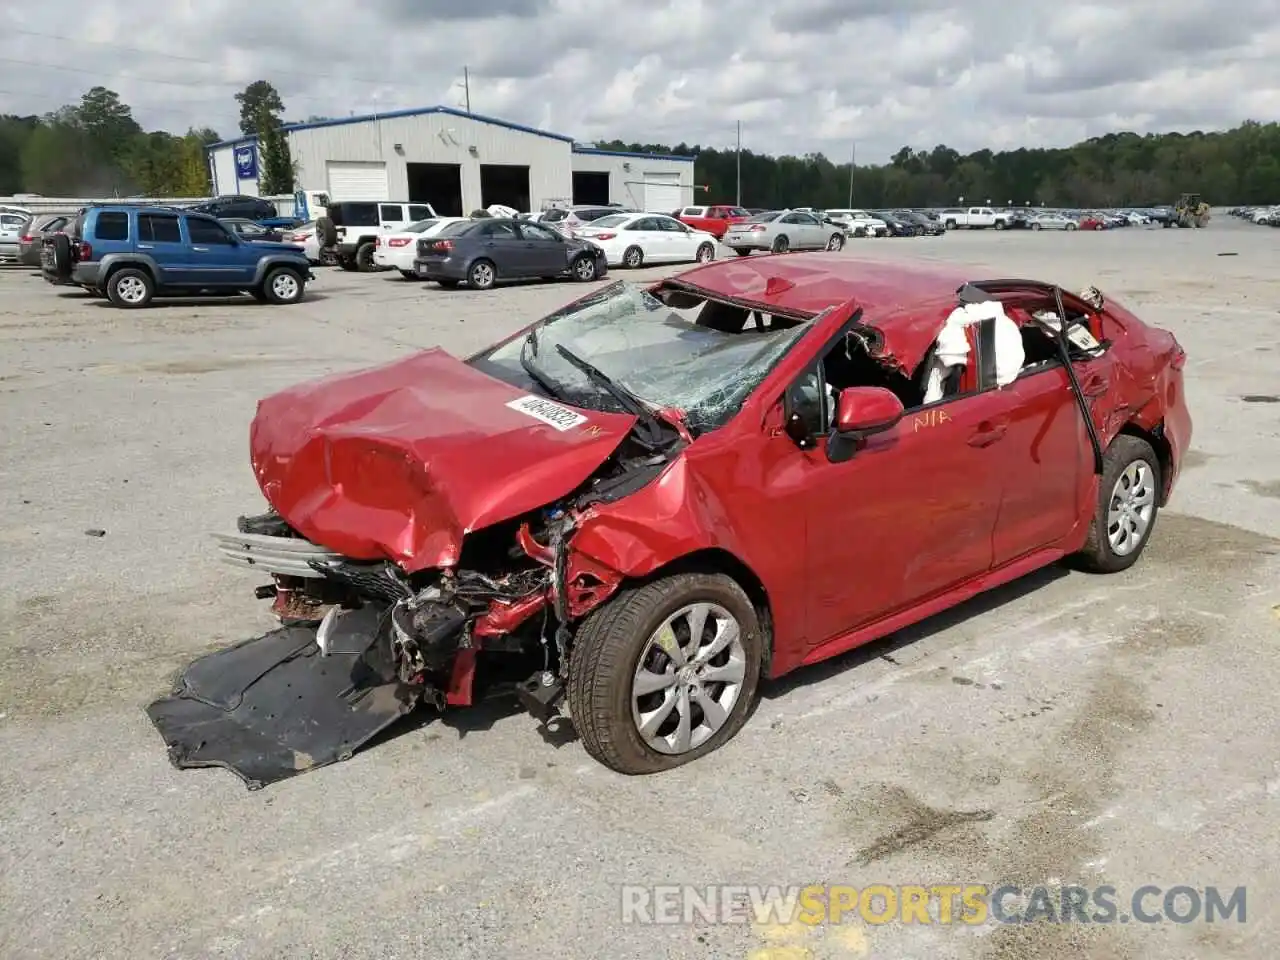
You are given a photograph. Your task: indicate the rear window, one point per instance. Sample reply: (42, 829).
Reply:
(354, 215)
(461, 228)
(552, 216)
(767, 217)
(419, 226)
(613, 220)
(112, 226)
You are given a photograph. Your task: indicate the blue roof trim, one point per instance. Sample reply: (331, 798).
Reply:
(237, 142)
(422, 112)
(638, 156)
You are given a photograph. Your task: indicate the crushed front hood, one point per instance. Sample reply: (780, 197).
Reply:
(401, 461)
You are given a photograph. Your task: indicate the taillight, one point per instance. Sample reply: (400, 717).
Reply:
(302, 236)
(603, 236)
(398, 242)
(442, 245)
(83, 251)
(377, 241)
(1179, 356)
(758, 228)
(26, 238)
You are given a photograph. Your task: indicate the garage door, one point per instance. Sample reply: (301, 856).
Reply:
(349, 180)
(662, 192)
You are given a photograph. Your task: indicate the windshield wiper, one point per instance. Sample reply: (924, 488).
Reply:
(549, 386)
(626, 399)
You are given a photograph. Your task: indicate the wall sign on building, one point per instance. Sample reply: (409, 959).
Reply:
(247, 162)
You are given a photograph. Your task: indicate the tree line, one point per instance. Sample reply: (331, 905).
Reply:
(97, 148)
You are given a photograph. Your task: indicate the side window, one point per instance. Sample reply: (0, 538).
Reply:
(207, 231)
(158, 228)
(791, 218)
(805, 406)
(361, 215)
(391, 212)
(533, 231)
(692, 212)
(671, 226)
(644, 223)
(112, 226)
(499, 231)
(417, 212)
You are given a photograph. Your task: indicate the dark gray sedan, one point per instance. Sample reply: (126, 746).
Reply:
(483, 252)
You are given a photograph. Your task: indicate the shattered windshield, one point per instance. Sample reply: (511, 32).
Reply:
(660, 355)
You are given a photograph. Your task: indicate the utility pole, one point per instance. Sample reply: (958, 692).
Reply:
(466, 86)
(853, 160)
(739, 159)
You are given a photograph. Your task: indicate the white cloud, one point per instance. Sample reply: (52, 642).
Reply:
(803, 76)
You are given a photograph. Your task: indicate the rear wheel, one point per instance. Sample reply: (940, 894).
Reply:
(632, 258)
(448, 284)
(666, 672)
(1128, 501)
(741, 252)
(1072, 226)
(130, 288)
(1035, 226)
(482, 275)
(364, 257)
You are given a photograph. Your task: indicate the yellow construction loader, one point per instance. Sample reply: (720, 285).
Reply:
(1191, 211)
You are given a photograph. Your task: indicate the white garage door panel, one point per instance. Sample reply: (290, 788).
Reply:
(350, 180)
(662, 192)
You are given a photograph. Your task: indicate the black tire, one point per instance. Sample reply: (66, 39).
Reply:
(706, 253)
(283, 286)
(781, 245)
(347, 263)
(326, 232)
(448, 284)
(633, 258)
(583, 269)
(740, 252)
(1000, 224)
(860, 232)
(482, 275)
(61, 244)
(123, 283)
(950, 224)
(606, 652)
(408, 275)
(364, 257)
(1035, 226)
(836, 242)
(1098, 556)
(1072, 226)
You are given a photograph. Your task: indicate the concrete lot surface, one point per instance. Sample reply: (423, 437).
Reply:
(1065, 730)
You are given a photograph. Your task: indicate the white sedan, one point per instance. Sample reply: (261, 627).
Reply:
(304, 236)
(1052, 221)
(634, 239)
(398, 249)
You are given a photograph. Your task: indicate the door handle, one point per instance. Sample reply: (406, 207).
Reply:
(988, 432)
(201, 249)
(145, 246)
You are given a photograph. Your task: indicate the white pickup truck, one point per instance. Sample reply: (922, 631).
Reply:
(976, 218)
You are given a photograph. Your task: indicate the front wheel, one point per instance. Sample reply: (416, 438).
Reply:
(584, 269)
(781, 245)
(482, 275)
(706, 253)
(1035, 226)
(741, 252)
(836, 242)
(1128, 501)
(283, 286)
(1072, 226)
(666, 672)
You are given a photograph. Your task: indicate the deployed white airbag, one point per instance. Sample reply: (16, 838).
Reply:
(953, 346)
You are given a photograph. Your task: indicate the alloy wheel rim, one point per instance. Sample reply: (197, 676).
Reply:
(633, 258)
(585, 269)
(131, 289)
(482, 275)
(688, 678)
(285, 287)
(1132, 505)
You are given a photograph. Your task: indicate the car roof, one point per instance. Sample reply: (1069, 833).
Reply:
(809, 283)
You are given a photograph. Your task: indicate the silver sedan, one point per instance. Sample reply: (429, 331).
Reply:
(1052, 221)
(779, 231)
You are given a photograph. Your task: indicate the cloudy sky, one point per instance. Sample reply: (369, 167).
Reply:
(801, 76)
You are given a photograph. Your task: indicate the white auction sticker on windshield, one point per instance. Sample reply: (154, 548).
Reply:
(549, 412)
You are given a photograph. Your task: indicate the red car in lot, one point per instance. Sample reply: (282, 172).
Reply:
(1092, 221)
(652, 500)
(715, 219)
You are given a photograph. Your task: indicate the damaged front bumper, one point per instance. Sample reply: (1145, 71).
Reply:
(362, 645)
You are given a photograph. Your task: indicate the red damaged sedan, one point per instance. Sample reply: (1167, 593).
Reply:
(641, 506)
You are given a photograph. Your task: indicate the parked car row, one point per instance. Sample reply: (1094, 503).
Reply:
(1267, 216)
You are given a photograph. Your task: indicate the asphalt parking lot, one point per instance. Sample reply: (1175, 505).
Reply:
(1067, 729)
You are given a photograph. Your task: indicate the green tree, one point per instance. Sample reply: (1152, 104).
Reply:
(277, 174)
(255, 98)
(14, 133)
(108, 121)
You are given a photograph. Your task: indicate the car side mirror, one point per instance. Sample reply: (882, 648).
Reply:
(861, 412)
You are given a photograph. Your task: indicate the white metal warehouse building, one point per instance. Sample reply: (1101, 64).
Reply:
(457, 161)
